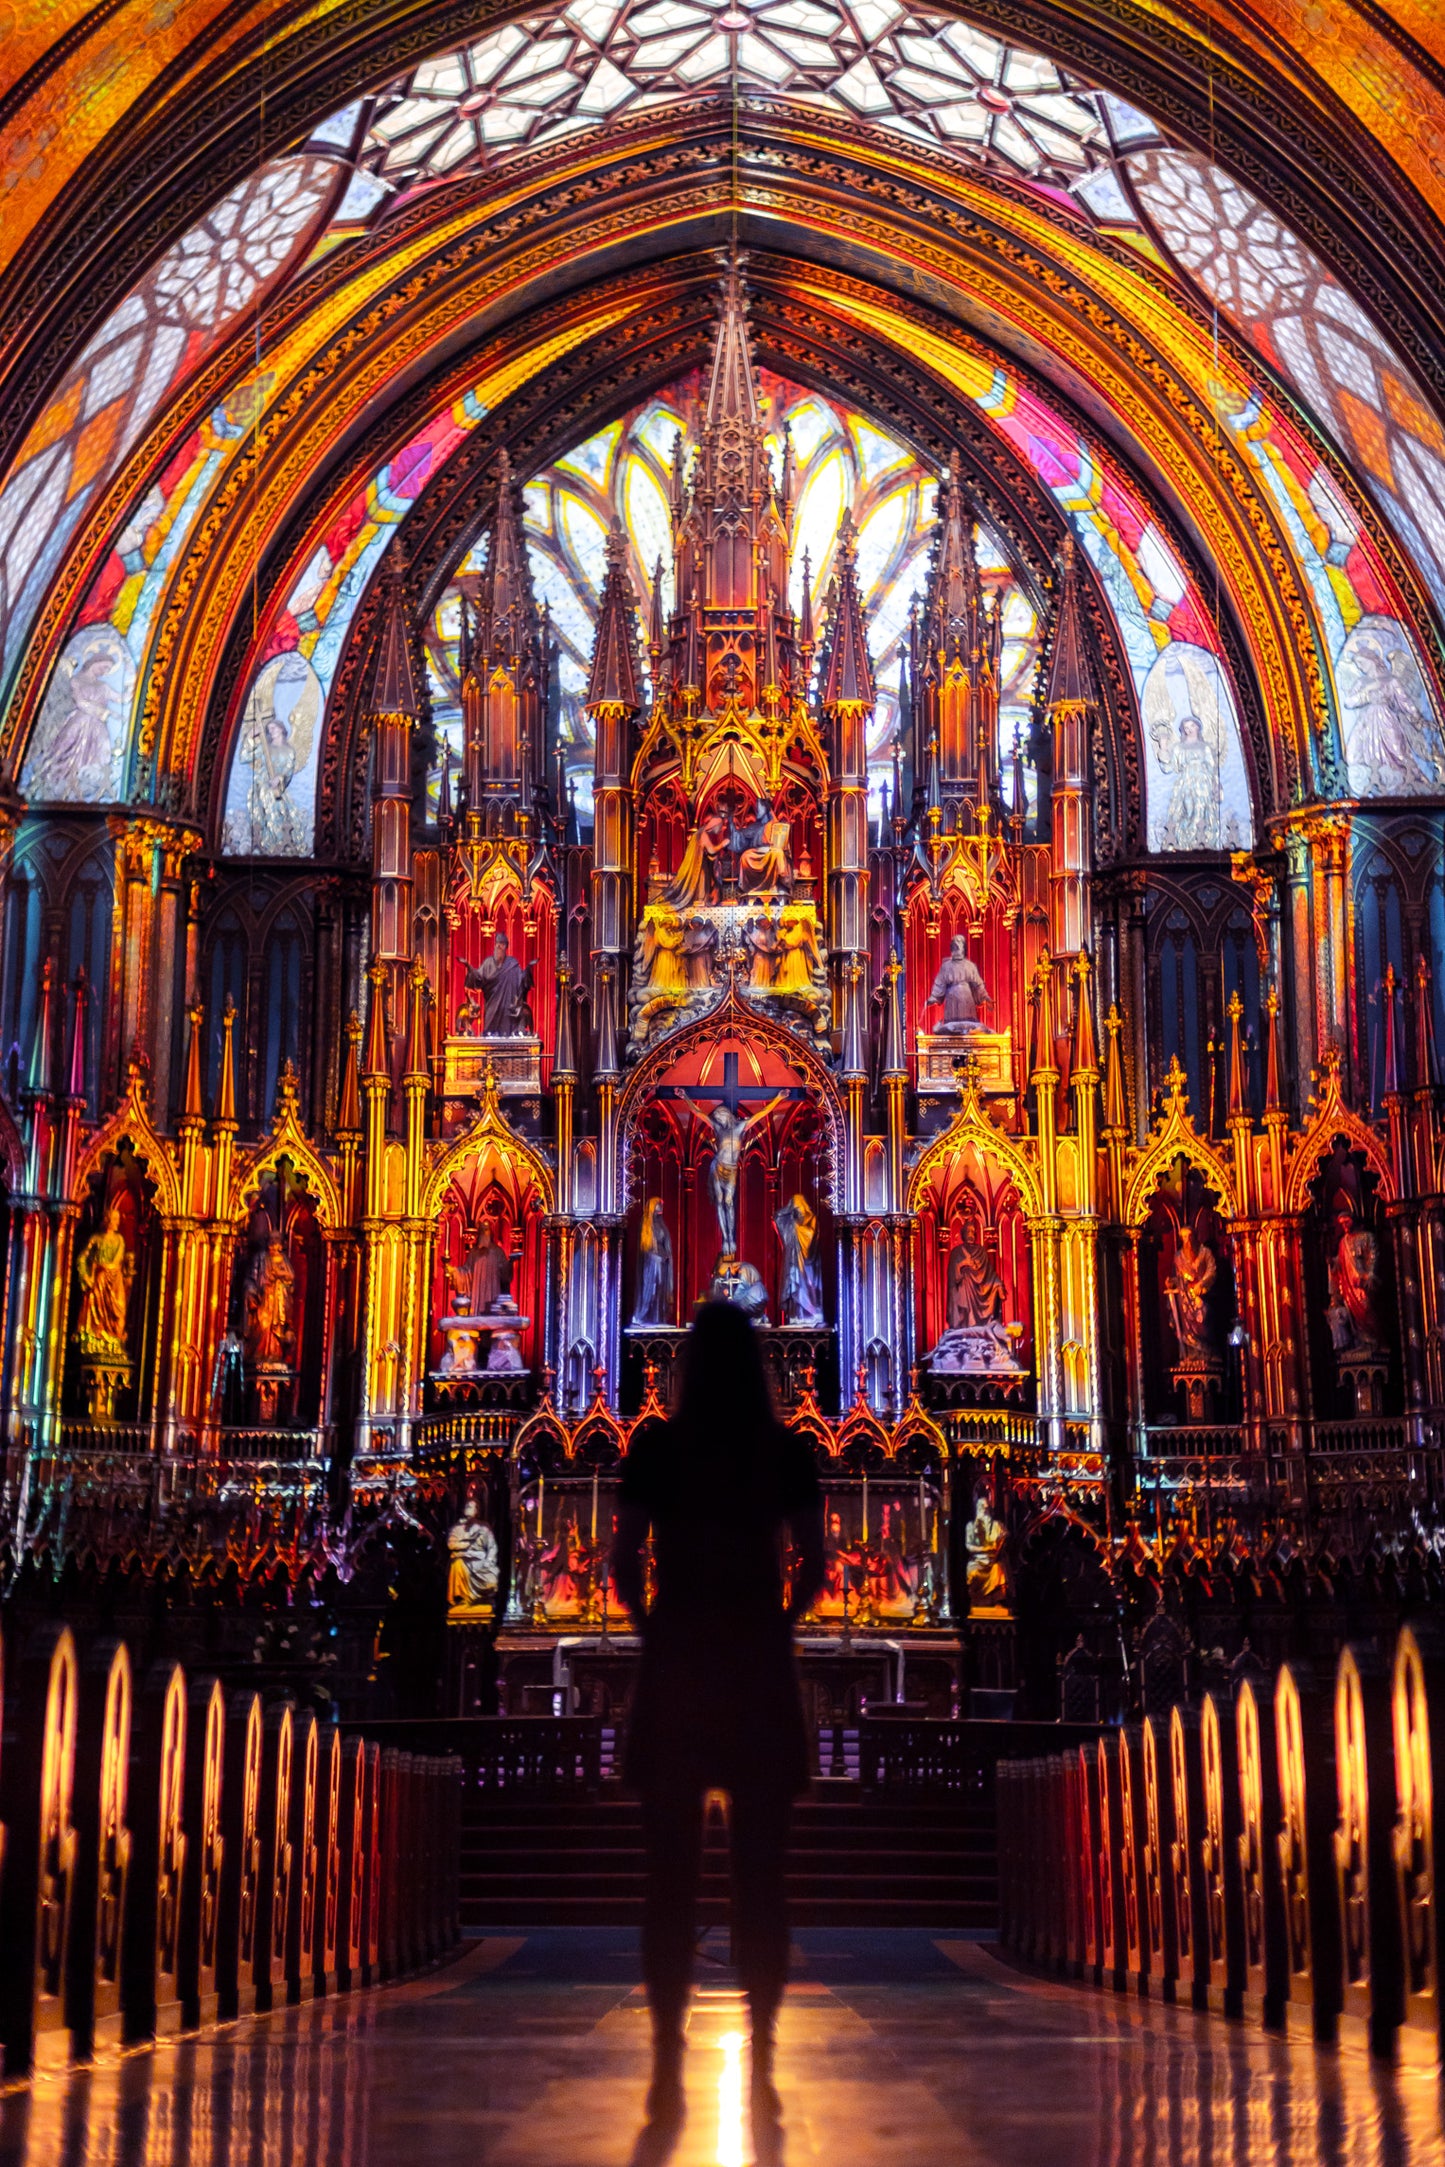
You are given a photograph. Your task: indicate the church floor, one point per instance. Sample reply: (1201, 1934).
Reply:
(899, 2048)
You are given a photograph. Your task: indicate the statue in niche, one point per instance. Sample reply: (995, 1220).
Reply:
(699, 955)
(1195, 1269)
(802, 1283)
(985, 1542)
(270, 1308)
(472, 1571)
(503, 984)
(731, 1131)
(489, 1270)
(960, 989)
(975, 1291)
(654, 1268)
(765, 853)
(699, 877)
(105, 1270)
(1352, 1315)
(799, 962)
(664, 972)
(761, 941)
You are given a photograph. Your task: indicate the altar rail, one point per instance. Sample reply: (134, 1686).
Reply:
(920, 1756)
(173, 1855)
(1276, 1856)
(510, 1756)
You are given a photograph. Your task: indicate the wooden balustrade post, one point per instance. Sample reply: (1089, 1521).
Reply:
(1187, 1883)
(103, 1848)
(202, 1867)
(1088, 1796)
(299, 1926)
(326, 1837)
(238, 1929)
(1305, 1747)
(1418, 1721)
(1371, 1972)
(351, 1892)
(1219, 1856)
(37, 1764)
(151, 1956)
(371, 1964)
(1261, 1894)
(1156, 1862)
(1112, 1936)
(1131, 1856)
(276, 1880)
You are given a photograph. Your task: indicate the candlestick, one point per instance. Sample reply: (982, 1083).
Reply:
(865, 1508)
(594, 1507)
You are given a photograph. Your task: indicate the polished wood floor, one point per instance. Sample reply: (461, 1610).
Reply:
(897, 2050)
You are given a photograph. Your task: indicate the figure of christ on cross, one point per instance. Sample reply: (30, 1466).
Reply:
(731, 1127)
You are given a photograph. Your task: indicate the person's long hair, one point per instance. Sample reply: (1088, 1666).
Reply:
(724, 1413)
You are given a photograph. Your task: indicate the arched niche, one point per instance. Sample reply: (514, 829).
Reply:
(279, 1315)
(113, 1299)
(1188, 1302)
(974, 1258)
(671, 1147)
(487, 1201)
(1350, 1288)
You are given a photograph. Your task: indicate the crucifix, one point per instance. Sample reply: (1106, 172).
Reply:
(730, 1126)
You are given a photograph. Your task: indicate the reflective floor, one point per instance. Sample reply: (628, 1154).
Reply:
(531, 2051)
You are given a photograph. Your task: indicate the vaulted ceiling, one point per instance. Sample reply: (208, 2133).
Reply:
(282, 282)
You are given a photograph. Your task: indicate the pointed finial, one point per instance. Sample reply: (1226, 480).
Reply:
(1084, 1058)
(348, 1109)
(378, 1058)
(1426, 1072)
(75, 1083)
(193, 1105)
(1116, 1111)
(605, 1062)
(225, 1114)
(895, 1060)
(416, 1033)
(564, 1065)
(1273, 1079)
(1234, 1009)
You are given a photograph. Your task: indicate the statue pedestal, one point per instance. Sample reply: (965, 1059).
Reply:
(104, 1375)
(515, 1060)
(1200, 1378)
(993, 1051)
(500, 1328)
(270, 1380)
(1364, 1370)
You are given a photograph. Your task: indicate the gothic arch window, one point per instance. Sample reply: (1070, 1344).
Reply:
(226, 977)
(283, 1029)
(1380, 946)
(87, 938)
(845, 463)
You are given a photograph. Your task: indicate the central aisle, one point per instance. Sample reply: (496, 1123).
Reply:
(899, 2050)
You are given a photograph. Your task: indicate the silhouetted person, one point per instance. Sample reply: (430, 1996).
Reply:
(717, 1704)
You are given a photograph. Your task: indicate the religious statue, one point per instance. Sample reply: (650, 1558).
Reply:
(1195, 1267)
(504, 984)
(802, 1285)
(472, 1573)
(653, 1304)
(105, 1270)
(270, 1308)
(699, 877)
(960, 988)
(731, 1130)
(799, 962)
(699, 954)
(761, 941)
(490, 1271)
(663, 970)
(985, 1543)
(1354, 1286)
(765, 853)
(975, 1291)
(742, 1285)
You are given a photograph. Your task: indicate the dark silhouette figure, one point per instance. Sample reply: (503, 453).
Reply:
(717, 1704)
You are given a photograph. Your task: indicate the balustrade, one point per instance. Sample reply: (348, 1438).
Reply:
(1273, 1854)
(172, 1856)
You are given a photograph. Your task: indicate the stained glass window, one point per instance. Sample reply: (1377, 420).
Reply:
(845, 464)
(161, 332)
(1279, 295)
(928, 77)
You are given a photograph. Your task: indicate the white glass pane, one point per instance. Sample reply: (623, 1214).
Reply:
(410, 114)
(862, 88)
(711, 58)
(594, 18)
(808, 52)
(968, 123)
(444, 78)
(933, 53)
(504, 123)
(882, 531)
(546, 90)
(874, 17)
(929, 90)
(1029, 71)
(606, 89)
(648, 518)
(458, 143)
(1010, 140)
(651, 22)
(802, 15)
(660, 53)
(538, 59)
(763, 62)
(486, 58)
(982, 53)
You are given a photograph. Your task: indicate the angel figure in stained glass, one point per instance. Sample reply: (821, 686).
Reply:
(1392, 745)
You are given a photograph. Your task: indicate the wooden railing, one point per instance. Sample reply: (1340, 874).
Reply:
(508, 1756)
(915, 1756)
